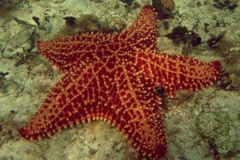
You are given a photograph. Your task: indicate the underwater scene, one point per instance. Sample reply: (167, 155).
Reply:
(119, 80)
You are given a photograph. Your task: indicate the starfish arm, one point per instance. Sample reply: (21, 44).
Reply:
(76, 98)
(178, 72)
(55, 112)
(140, 117)
(142, 34)
(76, 51)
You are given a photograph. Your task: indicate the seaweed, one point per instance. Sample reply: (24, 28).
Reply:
(224, 4)
(183, 35)
(128, 2)
(212, 42)
(70, 21)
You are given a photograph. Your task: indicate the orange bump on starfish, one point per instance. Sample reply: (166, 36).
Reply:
(112, 77)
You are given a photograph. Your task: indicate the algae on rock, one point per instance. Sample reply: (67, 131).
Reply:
(215, 127)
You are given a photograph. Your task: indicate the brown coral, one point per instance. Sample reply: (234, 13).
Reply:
(168, 4)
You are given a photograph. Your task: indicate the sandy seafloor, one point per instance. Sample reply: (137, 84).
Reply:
(203, 125)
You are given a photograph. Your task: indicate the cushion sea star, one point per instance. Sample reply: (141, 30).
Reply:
(112, 77)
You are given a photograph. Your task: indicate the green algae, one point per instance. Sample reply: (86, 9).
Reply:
(215, 127)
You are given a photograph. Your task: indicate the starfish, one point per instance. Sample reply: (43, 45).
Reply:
(112, 77)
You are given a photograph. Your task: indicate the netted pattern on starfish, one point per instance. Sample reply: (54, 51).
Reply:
(112, 77)
(178, 72)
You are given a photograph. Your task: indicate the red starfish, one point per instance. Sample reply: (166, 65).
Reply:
(112, 77)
